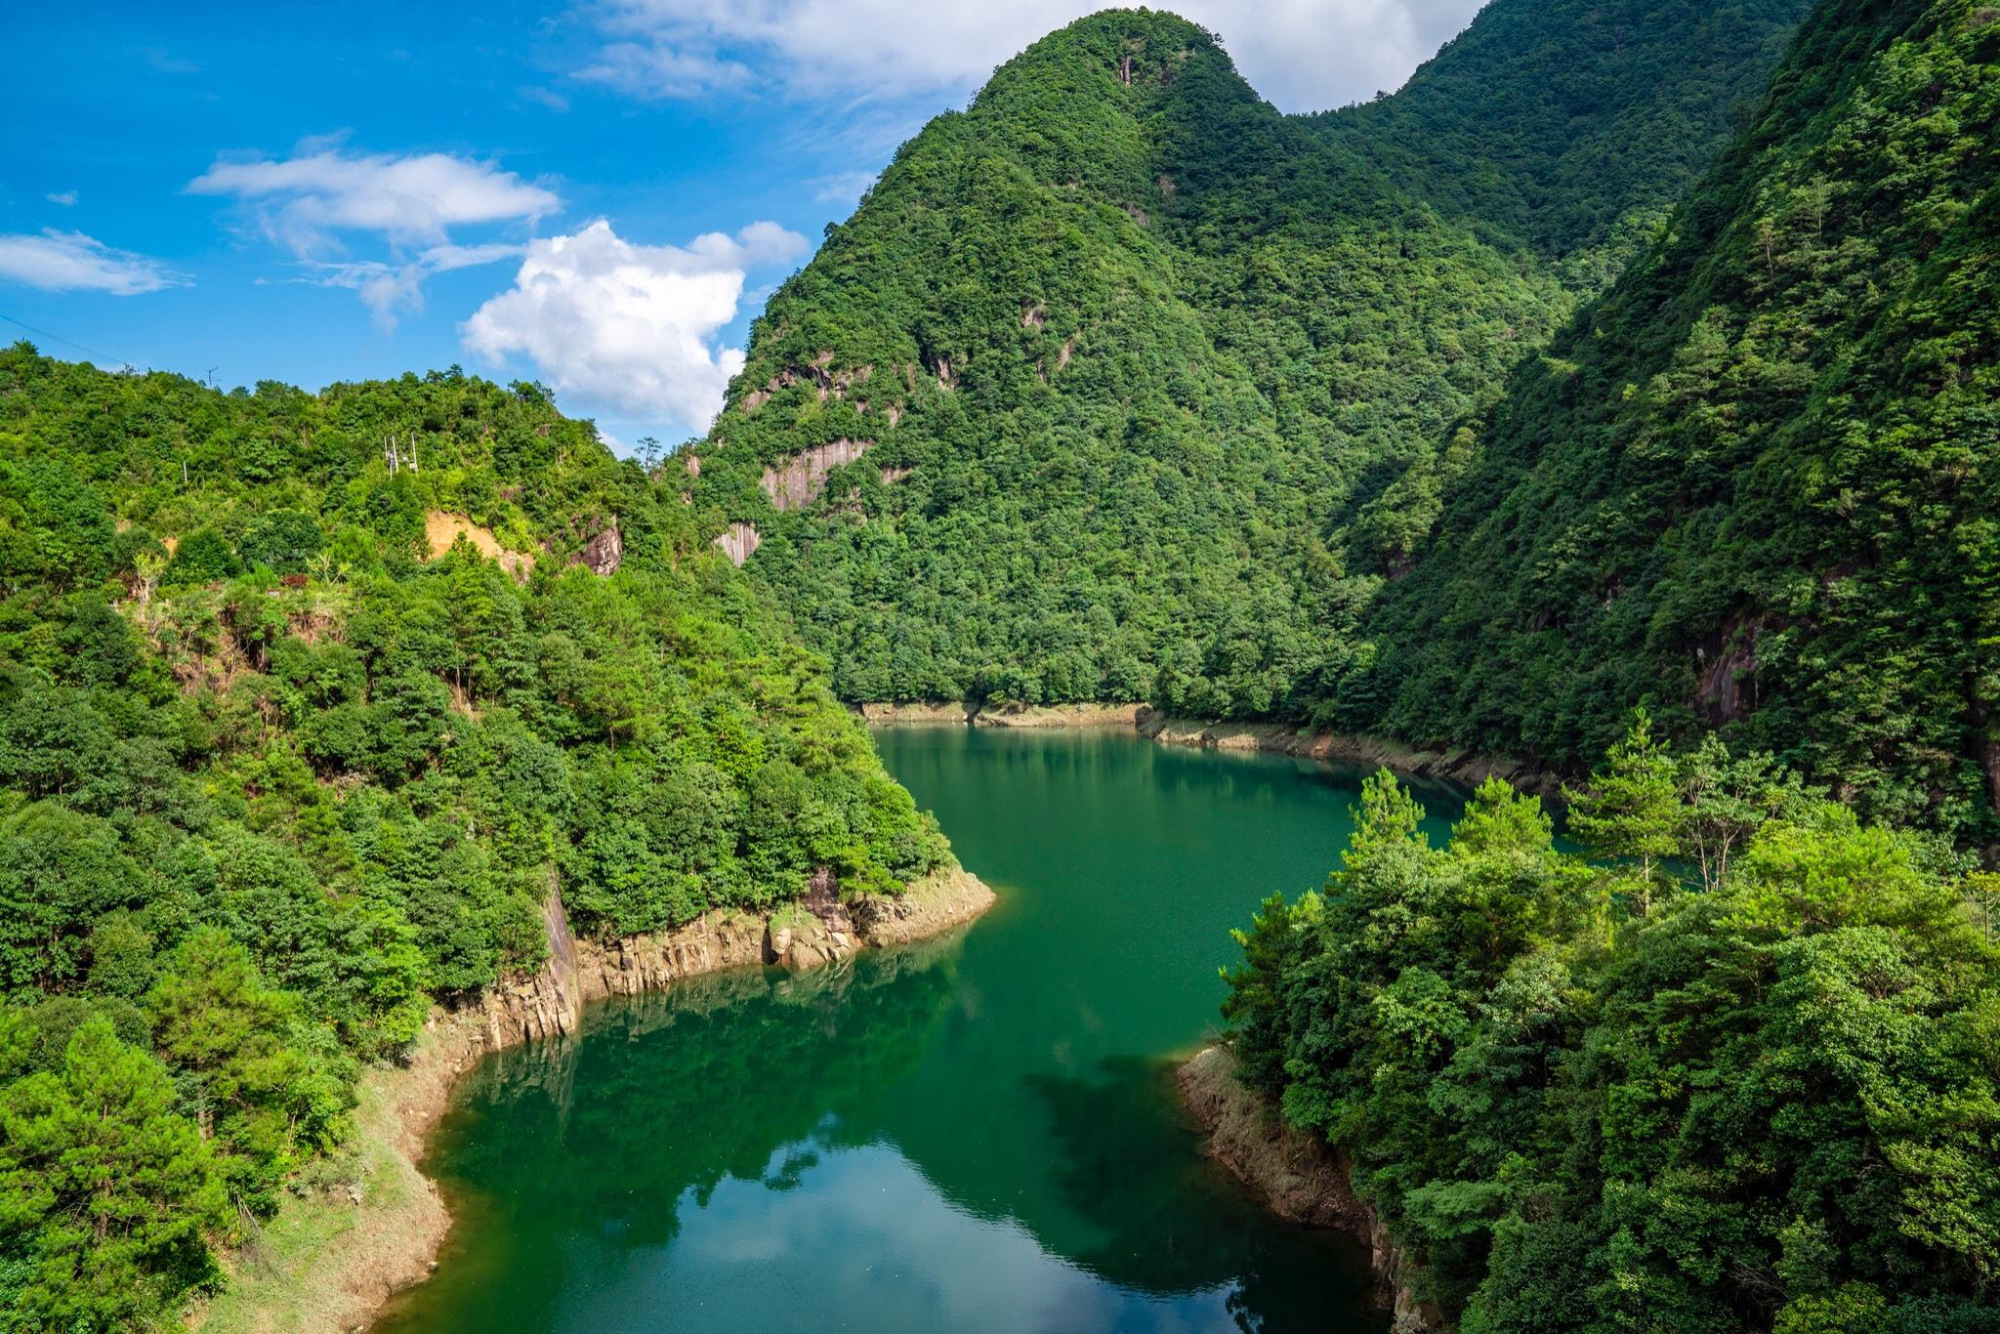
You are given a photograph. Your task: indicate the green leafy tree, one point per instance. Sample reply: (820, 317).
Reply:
(106, 1195)
(1632, 808)
(251, 1084)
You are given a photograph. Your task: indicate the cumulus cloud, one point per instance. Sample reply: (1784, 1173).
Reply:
(305, 199)
(58, 261)
(64, 198)
(627, 327)
(1302, 54)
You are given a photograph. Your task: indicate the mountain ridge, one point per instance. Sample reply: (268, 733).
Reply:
(1129, 355)
(1748, 486)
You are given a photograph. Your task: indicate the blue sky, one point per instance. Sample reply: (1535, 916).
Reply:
(595, 195)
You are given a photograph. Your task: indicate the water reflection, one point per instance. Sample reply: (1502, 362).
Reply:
(977, 1133)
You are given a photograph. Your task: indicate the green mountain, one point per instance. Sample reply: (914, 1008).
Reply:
(1736, 1070)
(1754, 484)
(306, 701)
(1107, 388)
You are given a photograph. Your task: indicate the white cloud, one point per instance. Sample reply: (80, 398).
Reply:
(72, 262)
(547, 97)
(66, 198)
(311, 201)
(1302, 54)
(163, 61)
(393, 289)
(632, 328)
(305, 199)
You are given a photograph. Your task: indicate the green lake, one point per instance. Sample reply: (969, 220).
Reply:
(974, 1133)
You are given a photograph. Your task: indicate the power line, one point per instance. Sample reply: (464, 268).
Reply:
(44, 333)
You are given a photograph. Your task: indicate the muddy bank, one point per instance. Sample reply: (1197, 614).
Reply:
(329, 1261)
(1297, 1174)
(1457, 766)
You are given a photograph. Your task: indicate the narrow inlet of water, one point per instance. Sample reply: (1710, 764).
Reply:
(973, 1133)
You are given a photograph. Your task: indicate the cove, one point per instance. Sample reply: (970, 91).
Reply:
(978, 1132)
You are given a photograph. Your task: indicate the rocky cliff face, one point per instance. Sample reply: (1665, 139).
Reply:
(739, 542)
(383, 1234)
(822, 929)
(1298, 1175)
(797, 482)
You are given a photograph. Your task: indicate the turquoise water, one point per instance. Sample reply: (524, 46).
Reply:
(974, 1133)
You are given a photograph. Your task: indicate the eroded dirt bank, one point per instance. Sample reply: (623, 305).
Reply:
(327, 1262)
(1296, 1173)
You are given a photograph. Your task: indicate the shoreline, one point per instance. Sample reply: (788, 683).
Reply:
(1456, 766)
(1299, 1176)
(329, 1261)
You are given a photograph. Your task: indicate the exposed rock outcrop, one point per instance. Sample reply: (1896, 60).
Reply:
(1007, 715)
(819, 930)
(739, 542)
(602, 554)
(1299, 1176)
(797, 482)
(1062, 715)
(826, 381)
(1456, 766)
(956, 715)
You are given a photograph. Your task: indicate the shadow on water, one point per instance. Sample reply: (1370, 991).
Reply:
(658, 1100)
(1177, 1222)
(976, 1133)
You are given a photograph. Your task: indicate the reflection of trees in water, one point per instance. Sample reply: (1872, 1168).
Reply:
(676, 1090)
(1175, 1222)
(666, 1095)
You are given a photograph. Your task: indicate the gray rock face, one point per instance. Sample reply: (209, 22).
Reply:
(604, 553)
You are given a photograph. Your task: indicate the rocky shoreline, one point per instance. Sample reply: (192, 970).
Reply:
(1467, 767)
(359, 1245)
(1300, 1178)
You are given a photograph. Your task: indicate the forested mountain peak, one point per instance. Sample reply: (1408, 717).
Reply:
(1544, 124)
(1103, 390)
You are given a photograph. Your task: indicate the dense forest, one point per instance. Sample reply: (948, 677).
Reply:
(1754, 485)
(1742, 1076)
(1737, 1068)
(1122, 385)
(307, 702)
(1637, 359)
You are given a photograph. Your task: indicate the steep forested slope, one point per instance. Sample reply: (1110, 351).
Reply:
(1097, 394)
(305, 703)
(1755, 484)
(1560, 125)
(1590, 1097)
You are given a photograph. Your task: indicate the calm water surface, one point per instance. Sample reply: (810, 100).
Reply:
(975, 1133)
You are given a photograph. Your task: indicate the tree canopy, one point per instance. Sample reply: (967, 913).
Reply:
(307, 702)
(1129, 387)
(1585, 1098)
